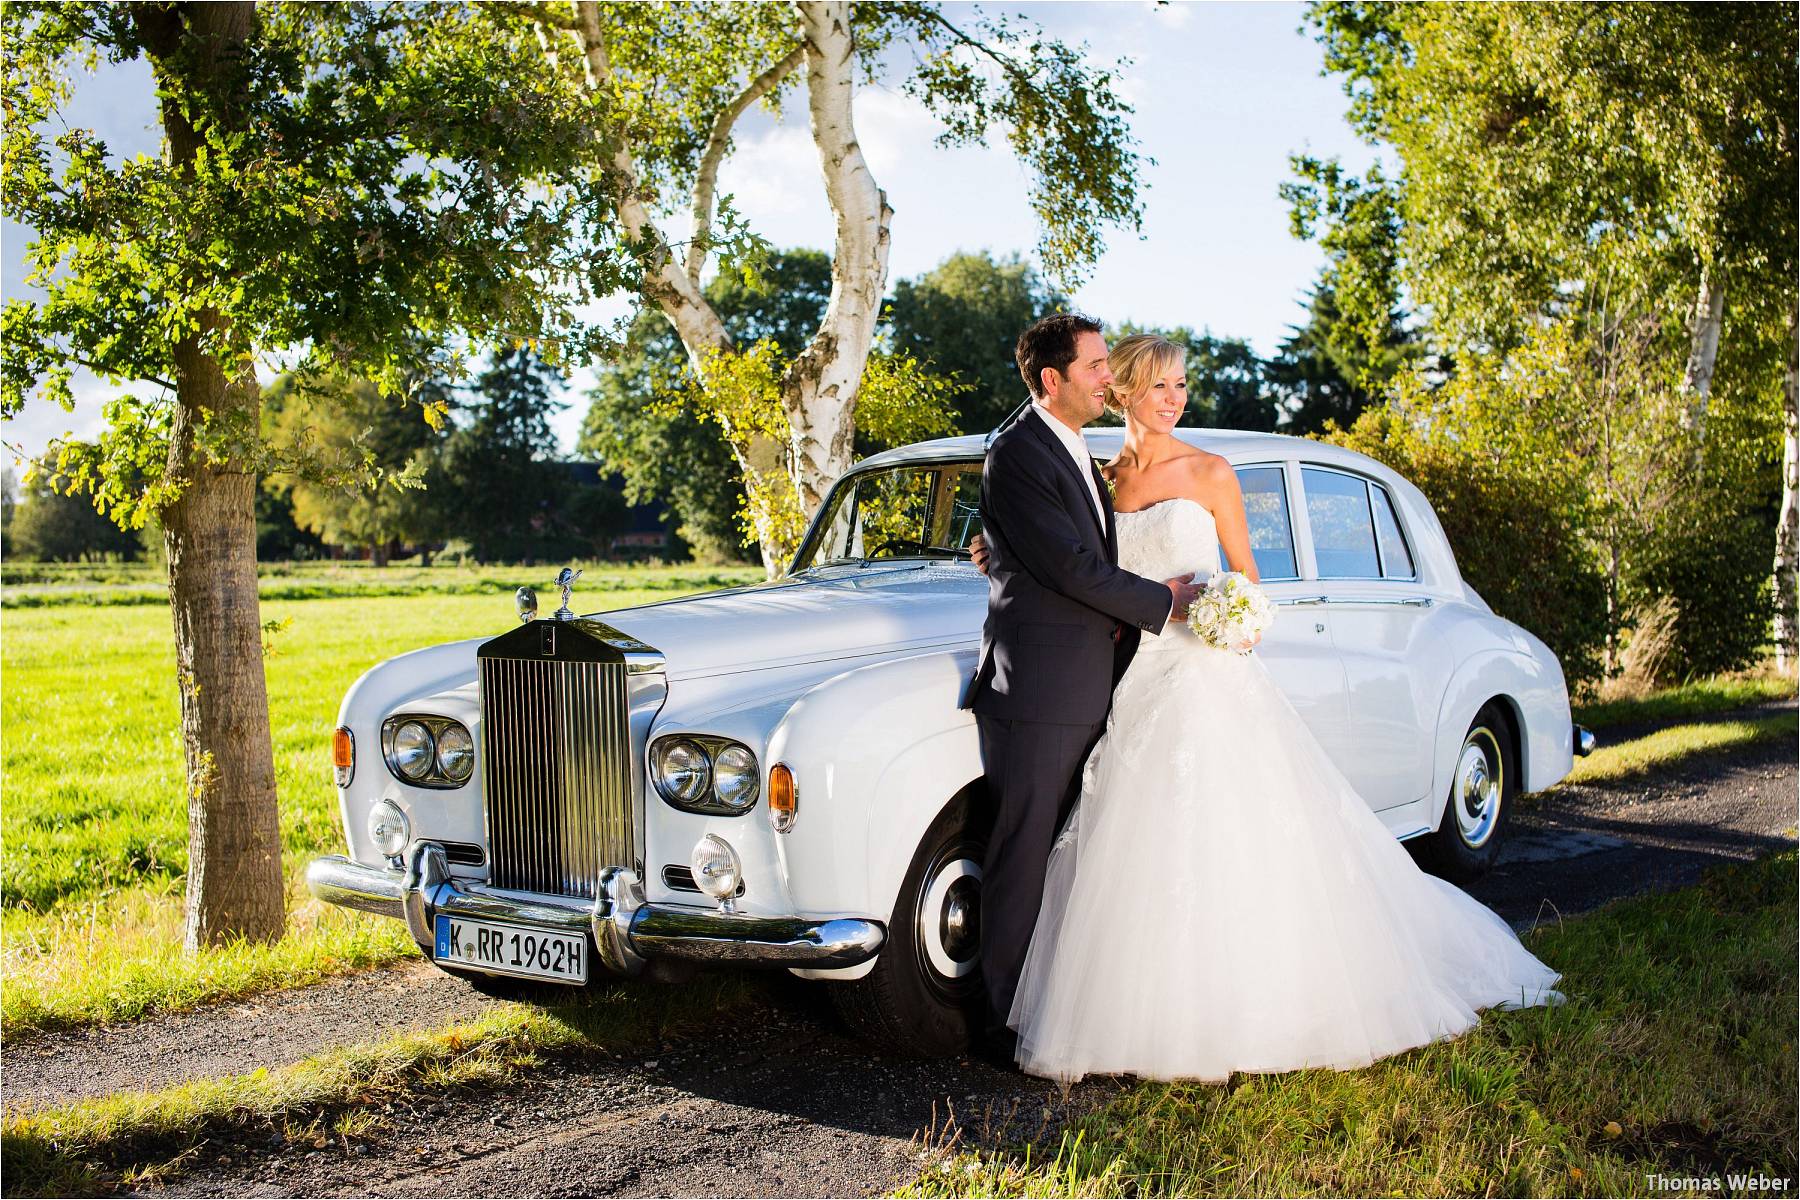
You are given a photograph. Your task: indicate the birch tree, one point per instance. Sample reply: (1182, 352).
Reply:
(667, 86)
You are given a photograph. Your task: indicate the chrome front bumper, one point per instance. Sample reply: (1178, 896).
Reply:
(1584, 740)
(625, 929)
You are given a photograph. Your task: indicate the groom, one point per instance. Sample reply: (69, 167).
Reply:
(1063, 623)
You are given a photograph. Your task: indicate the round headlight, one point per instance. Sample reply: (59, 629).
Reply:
(455, 753)
(413, 750)
(734, 777)
(388, 828)
(682, 770)
(716, 867)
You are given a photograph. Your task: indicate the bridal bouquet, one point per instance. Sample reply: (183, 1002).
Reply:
(1230, 612)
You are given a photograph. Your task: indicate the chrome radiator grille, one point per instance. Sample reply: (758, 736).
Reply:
(556, 774)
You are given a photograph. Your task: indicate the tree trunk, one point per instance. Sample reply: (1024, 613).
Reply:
(1703, 349)
(1787, 529)
(234, 881)
(819, 390)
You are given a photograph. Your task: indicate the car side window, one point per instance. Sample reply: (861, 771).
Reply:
(1396, 558)
(1343, 526)
(1271, 527)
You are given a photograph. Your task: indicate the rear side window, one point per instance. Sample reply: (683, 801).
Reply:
(1271, 529)
(1390, 540)
(1343, 526)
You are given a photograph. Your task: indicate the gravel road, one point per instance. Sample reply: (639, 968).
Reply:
(782, 1103)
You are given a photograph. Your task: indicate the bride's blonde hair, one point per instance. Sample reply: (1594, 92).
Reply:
(1137, 362)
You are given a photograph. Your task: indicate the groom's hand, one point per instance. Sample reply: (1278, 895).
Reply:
(978, 552)
(1184, 591)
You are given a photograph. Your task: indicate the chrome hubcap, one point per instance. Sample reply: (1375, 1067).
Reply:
(950, 918)
(1478, 787)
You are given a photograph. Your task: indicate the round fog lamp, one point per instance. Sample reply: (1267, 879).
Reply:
(388, 829)
(413, 750)
(716, 868)
(734, 777)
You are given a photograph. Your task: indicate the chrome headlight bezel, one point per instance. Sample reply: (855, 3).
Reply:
(708, 800)
(435, 728)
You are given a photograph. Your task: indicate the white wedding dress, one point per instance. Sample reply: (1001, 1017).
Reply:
(1222, 899)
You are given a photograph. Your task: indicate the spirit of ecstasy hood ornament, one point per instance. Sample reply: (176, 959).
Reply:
(565, 579)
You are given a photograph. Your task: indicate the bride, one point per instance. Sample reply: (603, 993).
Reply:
(1222, 899)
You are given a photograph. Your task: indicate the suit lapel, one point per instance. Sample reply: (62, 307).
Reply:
(1060, 453)
(1112, 527)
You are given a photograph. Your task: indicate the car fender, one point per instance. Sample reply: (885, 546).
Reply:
(1532, 687)
(876, 753)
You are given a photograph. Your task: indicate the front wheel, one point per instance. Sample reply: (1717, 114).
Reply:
(1482, 788)
(924, 993)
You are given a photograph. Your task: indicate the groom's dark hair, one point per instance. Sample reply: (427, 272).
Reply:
(1050, 343)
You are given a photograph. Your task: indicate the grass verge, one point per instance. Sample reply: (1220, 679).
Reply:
(114, 959)
(1674, 1056)
(1716, 694)
(1665, 747)
(134, 1137)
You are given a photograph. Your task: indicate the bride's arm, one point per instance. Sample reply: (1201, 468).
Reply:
(1216, 486)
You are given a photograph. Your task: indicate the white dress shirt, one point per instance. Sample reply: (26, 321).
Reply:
(1076, 445)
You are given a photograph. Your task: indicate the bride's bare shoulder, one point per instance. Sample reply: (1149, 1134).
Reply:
(1207, 477)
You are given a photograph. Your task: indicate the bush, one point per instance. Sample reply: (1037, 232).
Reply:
(1705, 583)
(1515, 527)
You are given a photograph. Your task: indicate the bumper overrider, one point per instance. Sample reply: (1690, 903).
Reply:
(625, 929)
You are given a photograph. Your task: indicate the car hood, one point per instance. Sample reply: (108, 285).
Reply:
(835, 613)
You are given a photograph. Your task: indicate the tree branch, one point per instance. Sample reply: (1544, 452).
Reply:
(1005, 63)
(706, 182)
(679, 298)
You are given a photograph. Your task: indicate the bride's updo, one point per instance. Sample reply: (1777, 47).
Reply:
(1137, 362)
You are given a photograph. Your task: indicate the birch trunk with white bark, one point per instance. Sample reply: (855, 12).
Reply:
(1787, 529)
(819, 389)
(675, 286)
(1703, 348)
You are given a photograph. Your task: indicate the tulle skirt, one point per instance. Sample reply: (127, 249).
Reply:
(1222, 900)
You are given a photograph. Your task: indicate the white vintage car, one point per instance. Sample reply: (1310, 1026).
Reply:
(778, 775)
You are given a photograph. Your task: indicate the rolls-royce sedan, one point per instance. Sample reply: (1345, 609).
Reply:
(778, 775)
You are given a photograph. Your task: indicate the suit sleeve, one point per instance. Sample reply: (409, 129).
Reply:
(1040, 531)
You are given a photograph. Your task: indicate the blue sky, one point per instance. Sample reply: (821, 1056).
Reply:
(1224, 93)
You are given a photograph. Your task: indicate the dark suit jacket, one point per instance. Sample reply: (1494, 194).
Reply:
(1055, 591)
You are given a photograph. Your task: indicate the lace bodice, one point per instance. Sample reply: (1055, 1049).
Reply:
(1170, 538)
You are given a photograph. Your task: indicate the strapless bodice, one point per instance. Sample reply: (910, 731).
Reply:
(1169, 538)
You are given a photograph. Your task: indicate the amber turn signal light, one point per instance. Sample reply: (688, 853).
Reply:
(343, 755)
(784, 801)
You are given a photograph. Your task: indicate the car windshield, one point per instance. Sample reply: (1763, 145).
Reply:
(911, 512)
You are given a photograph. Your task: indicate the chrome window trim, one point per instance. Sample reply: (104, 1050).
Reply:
(1399, 527)
(1368, 482)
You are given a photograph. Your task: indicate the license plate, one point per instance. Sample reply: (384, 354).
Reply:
(502, 949)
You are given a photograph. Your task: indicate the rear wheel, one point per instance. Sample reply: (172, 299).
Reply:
(1482, 788)
(924, 993)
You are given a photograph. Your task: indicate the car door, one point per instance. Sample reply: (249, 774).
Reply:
(1297, 649)
(1368, 575)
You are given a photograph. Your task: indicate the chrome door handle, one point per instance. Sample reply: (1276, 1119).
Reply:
(1395, 601)
(1298, 600)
